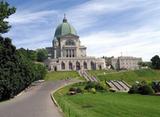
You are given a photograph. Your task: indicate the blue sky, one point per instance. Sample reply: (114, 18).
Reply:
(106, 27)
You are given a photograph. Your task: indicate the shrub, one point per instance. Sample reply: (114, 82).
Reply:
(146, 90)
(142, 88)
(72, 89)
(75, 89)
(156, 86)
(99, 87)
(95, 85)
(79, 90)
(89, 85)
(93, 90)
(134, 89)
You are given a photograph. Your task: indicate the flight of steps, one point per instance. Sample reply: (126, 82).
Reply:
(86, 75)
(118, 85)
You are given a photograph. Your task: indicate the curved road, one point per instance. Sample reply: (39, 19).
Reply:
(34, 102)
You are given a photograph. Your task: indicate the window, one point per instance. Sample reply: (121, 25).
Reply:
(85, 65)
(63, 65)
(70, 42)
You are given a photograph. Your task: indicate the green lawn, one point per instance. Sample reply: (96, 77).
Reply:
(108, 105)
(59, 75)
(128, 76)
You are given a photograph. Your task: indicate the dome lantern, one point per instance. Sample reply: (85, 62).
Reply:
(64, 28)
(64, 19)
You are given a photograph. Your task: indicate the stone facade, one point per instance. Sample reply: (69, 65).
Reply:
(67, 52)
(123, 62)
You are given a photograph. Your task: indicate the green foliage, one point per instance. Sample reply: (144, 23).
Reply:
(94, 85)
(145, 64)
(41, 55)
(5, 12)
(93, 90)
(141, 88)
(76, 89)
(16, 70)
(90, 85)
(29, 54)
(155, 62)
(156, 86)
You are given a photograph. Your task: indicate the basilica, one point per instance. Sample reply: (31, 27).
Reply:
(67, 52)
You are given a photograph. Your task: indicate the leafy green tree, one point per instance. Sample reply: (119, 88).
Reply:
(30, 54)
(41, 55)
(17, 69)
(5, 12)
(155, 62)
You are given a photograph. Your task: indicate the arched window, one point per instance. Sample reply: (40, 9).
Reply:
(100, 67)
(85, 65)
(78, 67)
(93, 65)
(70, 66)
(63, 65)
(70, 42)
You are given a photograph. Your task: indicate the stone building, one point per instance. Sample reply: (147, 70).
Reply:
(67, 52)
(123, 62)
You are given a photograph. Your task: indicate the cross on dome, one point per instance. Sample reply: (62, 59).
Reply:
(64, 19)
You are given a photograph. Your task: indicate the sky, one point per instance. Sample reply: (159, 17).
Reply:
(106, 27)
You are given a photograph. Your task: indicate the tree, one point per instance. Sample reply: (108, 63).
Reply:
(155, 62)
(17, 69)
(5, 12)
(30, 54)
(41, 55)
(145, 64)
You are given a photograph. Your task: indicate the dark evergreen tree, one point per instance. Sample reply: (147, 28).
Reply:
(155, 62)
(17, 69)
(5, 12)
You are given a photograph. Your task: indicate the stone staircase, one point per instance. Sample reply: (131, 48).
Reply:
(86, 75)
(118, 85)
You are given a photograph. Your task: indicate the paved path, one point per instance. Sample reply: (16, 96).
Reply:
(34, 102)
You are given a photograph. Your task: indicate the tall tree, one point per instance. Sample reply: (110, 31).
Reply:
(17, 70)
(41, 54)
(155, 62)
(5, 12)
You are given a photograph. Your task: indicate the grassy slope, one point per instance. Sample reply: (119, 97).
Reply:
(129, 76)
(62, 75)
(108, 105)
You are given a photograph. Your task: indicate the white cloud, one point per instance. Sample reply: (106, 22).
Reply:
(140, 43)
(25, 17)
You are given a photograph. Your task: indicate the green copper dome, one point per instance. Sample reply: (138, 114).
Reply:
(64, 28)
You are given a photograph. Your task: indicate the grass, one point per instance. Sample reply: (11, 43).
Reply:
(129, 76)
(59, 75)
(107, 104)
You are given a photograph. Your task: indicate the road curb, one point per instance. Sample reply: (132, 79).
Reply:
(54, 100)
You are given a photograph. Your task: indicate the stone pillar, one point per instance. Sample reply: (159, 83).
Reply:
(68, 52)
(71, 52)
(55, 54)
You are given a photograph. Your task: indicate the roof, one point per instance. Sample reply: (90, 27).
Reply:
(64, 28)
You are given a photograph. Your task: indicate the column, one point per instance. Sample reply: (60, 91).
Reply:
(72, 53)
(55, 56)
(68, 52)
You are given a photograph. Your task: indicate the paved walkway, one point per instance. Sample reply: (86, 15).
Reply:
(34, 102)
